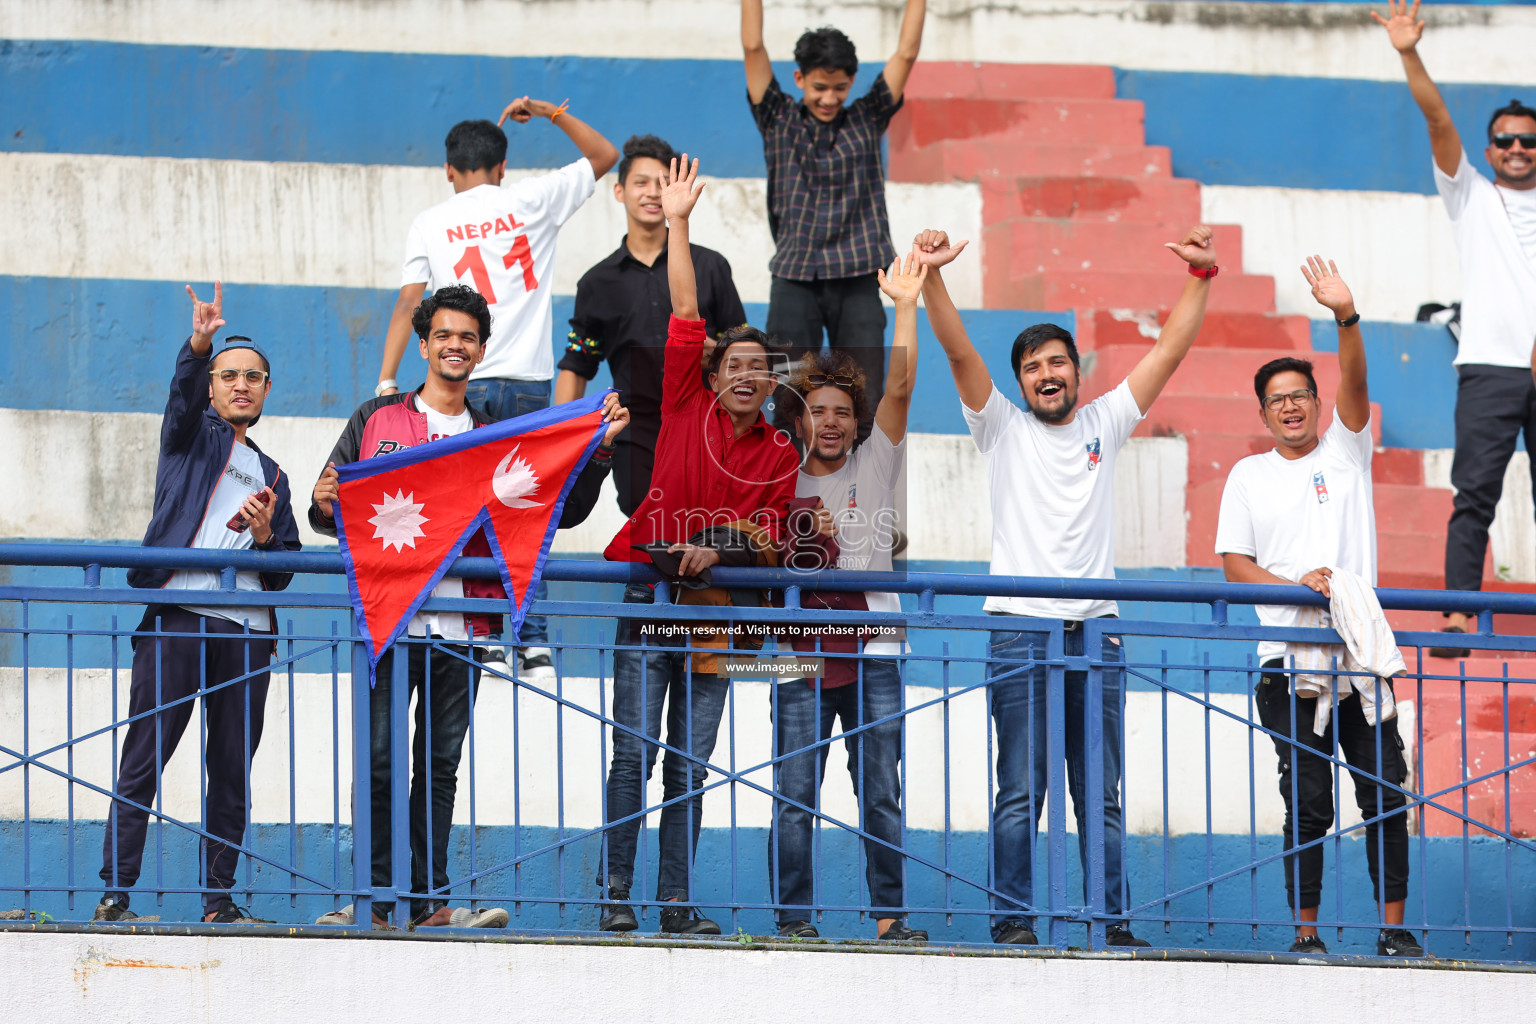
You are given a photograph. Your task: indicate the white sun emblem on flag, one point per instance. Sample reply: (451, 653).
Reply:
(514, 482)
(399, 520)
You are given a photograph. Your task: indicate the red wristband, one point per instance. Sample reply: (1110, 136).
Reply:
(1207, 273)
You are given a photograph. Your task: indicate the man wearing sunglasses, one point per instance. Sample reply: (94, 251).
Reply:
(1494, 223)
(1289, 516)
(213, 489)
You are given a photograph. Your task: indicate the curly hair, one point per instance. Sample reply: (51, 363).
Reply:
(637, 147)
(457, 297)
(815, 365)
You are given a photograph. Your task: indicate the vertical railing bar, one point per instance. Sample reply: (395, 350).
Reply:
(293, 796)
(69, 749)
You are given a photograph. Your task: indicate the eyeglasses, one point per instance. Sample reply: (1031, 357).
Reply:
(820, 380)
(1506, 139)
(254, 378)
(1302, 396)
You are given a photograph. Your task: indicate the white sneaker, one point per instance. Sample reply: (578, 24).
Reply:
(484, 917)
(495, 660)
(347, 916)
(535, 663)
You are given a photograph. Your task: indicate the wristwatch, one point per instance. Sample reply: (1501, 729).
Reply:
(378, 389)
(1351, 321)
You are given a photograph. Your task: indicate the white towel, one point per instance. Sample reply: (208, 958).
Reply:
(1369, 652)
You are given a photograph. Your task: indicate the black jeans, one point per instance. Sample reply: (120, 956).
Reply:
(448, 697)
(849, 310)
(1493, 405)
(1309, 812)
(167, 669)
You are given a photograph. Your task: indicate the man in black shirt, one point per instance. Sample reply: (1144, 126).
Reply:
(622, 306)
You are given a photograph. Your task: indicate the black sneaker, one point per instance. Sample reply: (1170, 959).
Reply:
(617, 917)
(1310, 944)
(1397, 942)
(228, 913)
(899, 932)
(687, 921)
(1016, 933)
(798, 930)
(1120, 935)
(1450, 652)
(112, 909)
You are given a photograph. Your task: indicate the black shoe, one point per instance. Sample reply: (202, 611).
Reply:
(112, 909)
(1451, 652)
(1120, 935)
(1016, 933)
(535, 661)
(228, 913)
(798, 930)
(1397, 942)
(899, 932)
(617, 917)
(687, 921)
(1310, 944)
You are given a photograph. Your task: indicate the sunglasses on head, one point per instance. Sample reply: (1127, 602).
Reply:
(1506, 139)
(842, 380)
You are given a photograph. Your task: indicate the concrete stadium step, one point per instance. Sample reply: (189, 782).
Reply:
(1224, 372)
(954, 79)
(1062, 121)
(1030, 245)
(1398, 466)
(1121, 289)
(1138, 199)
(1411, 509)
(1506, 801)
(1284, 335)
(969, 159)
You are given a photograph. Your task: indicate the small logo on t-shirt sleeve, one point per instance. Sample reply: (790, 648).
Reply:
(1321, 487)
(1093, 453)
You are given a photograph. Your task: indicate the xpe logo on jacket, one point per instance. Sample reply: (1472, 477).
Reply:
(1321, 487)
(1093, 453)
(385, 447)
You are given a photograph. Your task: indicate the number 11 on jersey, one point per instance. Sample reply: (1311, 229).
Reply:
(473, 264)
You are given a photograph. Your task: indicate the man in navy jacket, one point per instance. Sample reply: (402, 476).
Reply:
(213, 489)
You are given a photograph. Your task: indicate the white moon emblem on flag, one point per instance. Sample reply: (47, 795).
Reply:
(514, 481)
(399, 520)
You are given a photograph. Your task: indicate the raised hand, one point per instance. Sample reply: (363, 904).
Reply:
(522, 110)
(1328, 288)
(933, 249)
(1197, 248)
(1403, 26)
(207, 317)
(616, 416)
(682, 190)
(904, 283)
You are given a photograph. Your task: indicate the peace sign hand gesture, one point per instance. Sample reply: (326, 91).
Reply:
(1403, 27)
(207, 318)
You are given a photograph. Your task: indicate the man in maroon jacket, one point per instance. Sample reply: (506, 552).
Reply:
(453, 325)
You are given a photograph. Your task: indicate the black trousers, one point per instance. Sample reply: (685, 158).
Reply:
(167, 669)
(848, 309)
(1493, 405)
(1309, 809)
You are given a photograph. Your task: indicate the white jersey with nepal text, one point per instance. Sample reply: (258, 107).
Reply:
(1053, 496)
(500, 241)
(1495, 232)
(1295, 515)
(448, 625)
(242, 477)
(862, 499)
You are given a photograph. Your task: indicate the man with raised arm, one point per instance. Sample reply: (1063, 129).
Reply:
(826, 188)
(213, 489)
(1494, 223)
(854, 487)
(1292, 515)
(1051, 471)
(721, 468)
(499, 239)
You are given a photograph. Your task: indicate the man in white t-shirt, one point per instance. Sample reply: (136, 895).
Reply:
(853, 484)
(1292, 515)
(1051, 471)
(499, 239)
(1494, 223)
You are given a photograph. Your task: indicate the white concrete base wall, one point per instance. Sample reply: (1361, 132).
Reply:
(176, 979)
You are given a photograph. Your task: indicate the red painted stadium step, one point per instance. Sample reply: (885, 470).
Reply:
(1121, 289)
(1208, 371)
(1412, 509)
(1033, 245)
(1138, 199)
(1046, 121)
(1505, 800)
(1282, 335)
(969, 159)
(951, 79)
(1398, 466)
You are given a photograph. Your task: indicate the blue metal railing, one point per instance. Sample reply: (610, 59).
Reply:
(533, 824)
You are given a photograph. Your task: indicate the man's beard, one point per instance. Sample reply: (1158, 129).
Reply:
(1058, 414)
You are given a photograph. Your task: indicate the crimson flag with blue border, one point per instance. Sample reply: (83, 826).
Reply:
(403, 518)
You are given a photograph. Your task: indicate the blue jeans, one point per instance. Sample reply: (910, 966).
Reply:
(1018, 709)
(803, 715)
(501, 398)
(642, 681)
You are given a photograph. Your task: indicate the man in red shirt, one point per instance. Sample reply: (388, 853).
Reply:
(718, 461)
